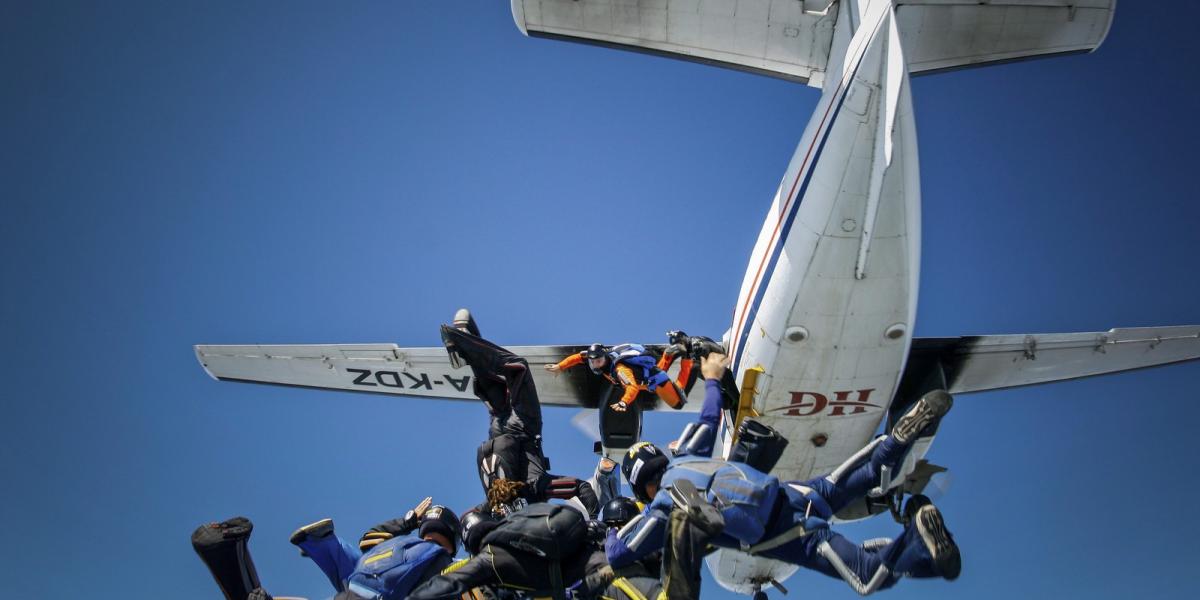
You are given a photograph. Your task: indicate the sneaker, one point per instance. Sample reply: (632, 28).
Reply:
(463, 321)
(937, 539)
(931, 407)
(312, 531)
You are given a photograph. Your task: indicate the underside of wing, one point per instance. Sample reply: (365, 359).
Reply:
(793, 39)
(789, 39)
(992, 362)
(941, 35)
(409, 372)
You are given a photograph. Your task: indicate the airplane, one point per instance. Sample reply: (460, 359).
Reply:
(820, 340)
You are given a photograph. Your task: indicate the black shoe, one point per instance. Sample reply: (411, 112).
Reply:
(702, 346)
(463, 321)
(456, 359)
(931, 407)
(930, 525)
(312, 531)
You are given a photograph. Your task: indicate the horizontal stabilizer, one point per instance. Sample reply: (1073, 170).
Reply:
(940, 35)
(412, 372)
(789, 39)
(992, 362)
(793, 39)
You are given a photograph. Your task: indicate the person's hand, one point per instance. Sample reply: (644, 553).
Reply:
(607, 464)
(674, 445)
(413, 517)
(619, 406)
(553, 368)
(713, 366)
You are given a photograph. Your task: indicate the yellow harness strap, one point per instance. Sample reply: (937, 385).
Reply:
(623, 584)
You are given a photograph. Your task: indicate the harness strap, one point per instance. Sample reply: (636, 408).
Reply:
(626, 587)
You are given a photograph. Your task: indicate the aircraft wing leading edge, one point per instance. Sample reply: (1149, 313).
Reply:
(409, 372)
(992, 362)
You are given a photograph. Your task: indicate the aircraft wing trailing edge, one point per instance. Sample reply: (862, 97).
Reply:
(412, 372)
(791, 39)
(992, 362)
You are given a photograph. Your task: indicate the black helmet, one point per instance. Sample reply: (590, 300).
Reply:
(619, 511)
(643, 464)
(439, 519)
(475, 526)
(594, 351)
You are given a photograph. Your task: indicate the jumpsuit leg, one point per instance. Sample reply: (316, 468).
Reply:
(862, 479)
(334, 557)
(668, 391)
(684, 380)
(503, 382)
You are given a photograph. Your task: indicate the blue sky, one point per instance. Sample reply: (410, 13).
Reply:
(307, 173)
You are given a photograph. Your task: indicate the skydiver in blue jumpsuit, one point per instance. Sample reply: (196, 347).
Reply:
(789, 521)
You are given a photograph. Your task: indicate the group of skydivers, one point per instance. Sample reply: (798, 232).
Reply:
(596, 544)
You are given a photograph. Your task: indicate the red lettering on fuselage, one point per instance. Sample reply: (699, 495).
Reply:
(807, 404)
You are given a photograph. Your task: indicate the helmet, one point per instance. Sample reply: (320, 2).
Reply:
(593, 352)
(643, 463)
(619, 511)
(475, 526)
(439, 519)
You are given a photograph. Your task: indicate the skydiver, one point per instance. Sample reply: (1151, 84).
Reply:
(496, 561)
(583, 569)
(789, 521)
(513, 469)
(629, 367)
(389, 561)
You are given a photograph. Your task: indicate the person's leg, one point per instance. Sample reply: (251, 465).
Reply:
(846, 485)
(224, 550)
(668, 391)
(332, 555)
(502, 381)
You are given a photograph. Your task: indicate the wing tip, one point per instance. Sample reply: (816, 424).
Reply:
(518, 13)
(199, 350)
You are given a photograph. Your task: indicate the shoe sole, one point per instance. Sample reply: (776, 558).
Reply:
(928, 409)
(318, 529)
(937, 539)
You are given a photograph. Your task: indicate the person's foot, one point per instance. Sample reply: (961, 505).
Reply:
(456, 359)
(931, 407)
(463, 321)
(931, 527)
(678, 344)
(312, 531)
(703, 346)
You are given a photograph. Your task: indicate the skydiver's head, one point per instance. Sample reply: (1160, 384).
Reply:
(597, 357)
(618, 512)
(643, 468)
(475, 526)
(440, 526)
(503, 493)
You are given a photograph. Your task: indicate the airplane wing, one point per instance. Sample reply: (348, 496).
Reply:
(791, 39)
(992, 362)
(411, 372)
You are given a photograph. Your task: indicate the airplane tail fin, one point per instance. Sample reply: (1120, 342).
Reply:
(793, 39)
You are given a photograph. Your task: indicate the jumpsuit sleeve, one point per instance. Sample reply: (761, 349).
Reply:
(393, 527)
(573, 360)
(645, 534)
(625, 374)
(699, 438)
